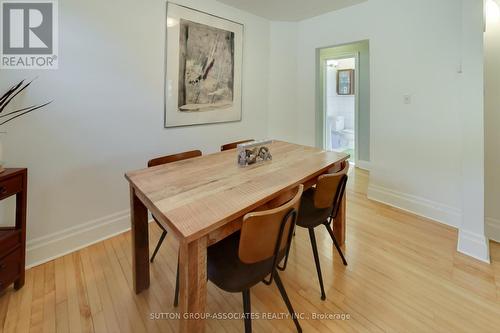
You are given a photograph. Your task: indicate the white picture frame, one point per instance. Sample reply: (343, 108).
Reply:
(203, 79)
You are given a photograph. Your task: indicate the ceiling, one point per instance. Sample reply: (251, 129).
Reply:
(290, 10)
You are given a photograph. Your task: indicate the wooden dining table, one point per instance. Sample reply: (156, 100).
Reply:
(203, 200)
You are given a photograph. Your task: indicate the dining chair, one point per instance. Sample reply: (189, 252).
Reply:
(173, 158)
(247, 257)
(320, 206)
(164, 160)
(234, 145)
(160, 161)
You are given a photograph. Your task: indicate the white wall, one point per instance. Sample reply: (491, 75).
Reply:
(107, 116)
(492, 124)
(419, 158)
(283, 81)
(407, 57)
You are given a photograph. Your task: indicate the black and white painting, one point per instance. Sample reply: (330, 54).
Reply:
(206, 67)
(204, 58)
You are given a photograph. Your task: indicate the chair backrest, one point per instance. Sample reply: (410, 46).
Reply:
(233, 145)
(266, 234)
(173, 158)
(330, 189)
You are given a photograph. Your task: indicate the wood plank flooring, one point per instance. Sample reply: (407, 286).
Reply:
(404, 275)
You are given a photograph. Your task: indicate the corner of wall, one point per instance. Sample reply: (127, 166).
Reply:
(492, 227)
(473, 245)
(282, 81)
(471, 239)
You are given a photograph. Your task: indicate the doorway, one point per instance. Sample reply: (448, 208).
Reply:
(340, 106)
(343, 101)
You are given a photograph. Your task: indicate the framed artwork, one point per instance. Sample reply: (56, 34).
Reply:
(345, 82)
(204, 56)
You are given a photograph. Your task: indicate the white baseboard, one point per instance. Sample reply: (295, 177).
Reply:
(471, 244)
(492, 227)
(365, 165)
(474, 245)
(417, 205)
(49, 247)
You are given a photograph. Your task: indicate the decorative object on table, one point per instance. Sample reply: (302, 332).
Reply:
(254, 152)
(13, 238)
(11, 115)
(345, 82)
(204, 68)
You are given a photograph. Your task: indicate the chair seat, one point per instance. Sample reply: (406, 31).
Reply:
(310, 216)
(226, 270)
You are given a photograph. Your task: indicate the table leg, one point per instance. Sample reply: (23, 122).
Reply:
(21, 208)
(140, 242)
(339, 222)
(193, 285)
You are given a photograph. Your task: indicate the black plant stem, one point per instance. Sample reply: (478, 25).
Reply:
(17, 111)
(21, 114)
(10, 91)
(14, 95)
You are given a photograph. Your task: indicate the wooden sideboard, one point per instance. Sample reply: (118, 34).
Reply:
(13, 238)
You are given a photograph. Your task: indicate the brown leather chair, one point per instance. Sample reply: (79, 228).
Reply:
(246, 258)
(233, 145)
(173, 158)
(160, 161)
(320, 206)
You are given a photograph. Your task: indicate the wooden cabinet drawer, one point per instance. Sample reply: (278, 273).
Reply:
(10, 268)
(9, 240)
(11, 186)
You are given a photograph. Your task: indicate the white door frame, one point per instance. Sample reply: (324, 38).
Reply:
(323, 67)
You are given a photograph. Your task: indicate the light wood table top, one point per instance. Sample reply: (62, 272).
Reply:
(196, 196)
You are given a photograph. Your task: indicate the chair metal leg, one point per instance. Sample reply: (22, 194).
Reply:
(316, 260)
(247, 311)
(162, 238)
(283, 267)
(176, 297)
(282, 290)
(330, 231)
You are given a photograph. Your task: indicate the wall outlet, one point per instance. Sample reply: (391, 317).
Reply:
(407, 99)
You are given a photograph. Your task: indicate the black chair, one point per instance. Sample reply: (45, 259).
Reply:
(320, 206)
(160, 161)
(246, 258)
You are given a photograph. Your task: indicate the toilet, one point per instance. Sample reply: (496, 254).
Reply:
(338, 123)
(341, 137)
(348, 138)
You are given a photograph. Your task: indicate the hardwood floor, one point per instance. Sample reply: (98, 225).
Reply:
(404, 275)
